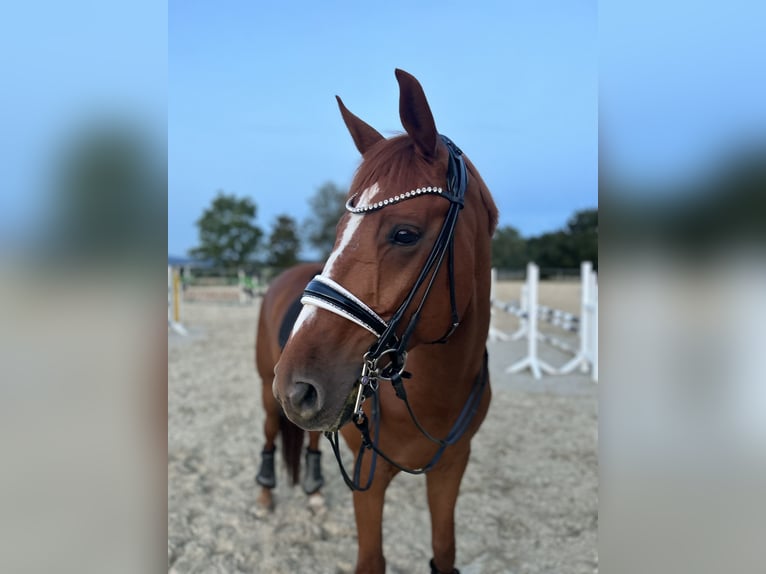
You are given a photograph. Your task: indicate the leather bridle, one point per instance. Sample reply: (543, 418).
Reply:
(327, 294)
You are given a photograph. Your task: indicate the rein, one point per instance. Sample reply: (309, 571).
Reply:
(325, 293)
(369, 443)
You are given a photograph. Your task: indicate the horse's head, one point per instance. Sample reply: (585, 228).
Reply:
(395, 213)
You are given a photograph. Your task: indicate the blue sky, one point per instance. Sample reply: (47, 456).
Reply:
(682, 86)
(244, 93)
(251, 106)
(67, 65)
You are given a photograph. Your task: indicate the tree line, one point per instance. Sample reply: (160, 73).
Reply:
(229, 236)
(564, 248)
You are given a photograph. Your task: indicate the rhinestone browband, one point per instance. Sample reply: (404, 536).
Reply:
(391, 200)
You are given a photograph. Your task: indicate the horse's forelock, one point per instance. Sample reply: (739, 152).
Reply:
(395, 166)
(392, 165)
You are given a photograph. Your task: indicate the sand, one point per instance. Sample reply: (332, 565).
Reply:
(528, 502)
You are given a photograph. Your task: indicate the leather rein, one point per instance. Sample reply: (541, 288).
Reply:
(325, 293)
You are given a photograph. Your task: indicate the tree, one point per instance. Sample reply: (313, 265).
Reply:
(327, 207)
(284, 243)
(583, 222)
(582, 229)
(509, 250)
(577, 242)
(565, 248)
(227, 232)
(553, 249)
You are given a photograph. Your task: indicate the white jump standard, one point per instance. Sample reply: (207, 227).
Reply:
(532, 361)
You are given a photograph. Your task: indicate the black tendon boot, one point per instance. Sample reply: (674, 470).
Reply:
(435, 570)
(266, 476)
(313, 479)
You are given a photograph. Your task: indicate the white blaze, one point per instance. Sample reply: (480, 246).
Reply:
(349, 232)
(306, 313)
(347, 237)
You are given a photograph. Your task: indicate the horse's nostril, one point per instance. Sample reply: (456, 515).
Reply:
(304, 399)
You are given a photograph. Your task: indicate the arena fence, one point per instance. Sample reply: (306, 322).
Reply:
(530, 312)
(222, 286)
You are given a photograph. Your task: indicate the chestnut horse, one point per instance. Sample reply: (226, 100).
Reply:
(279, 309)
(403, 295)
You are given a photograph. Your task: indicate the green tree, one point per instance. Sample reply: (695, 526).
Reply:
(582, 229)
(227, 232)
(327, 207)
(284, 243)
(509, 249)
(583, 222)
(553, 249)
(566, 248)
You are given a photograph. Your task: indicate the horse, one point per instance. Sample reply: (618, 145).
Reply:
(279, 309)
(403, 296)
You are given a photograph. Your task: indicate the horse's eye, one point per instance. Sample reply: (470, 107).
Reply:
(405, 236)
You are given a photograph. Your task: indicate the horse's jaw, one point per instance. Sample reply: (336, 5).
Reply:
(347, 410)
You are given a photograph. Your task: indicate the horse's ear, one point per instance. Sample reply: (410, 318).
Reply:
(415, 113)
(365, 136)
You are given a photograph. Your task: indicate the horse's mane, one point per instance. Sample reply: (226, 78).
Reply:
(395, 164)
(486, 198)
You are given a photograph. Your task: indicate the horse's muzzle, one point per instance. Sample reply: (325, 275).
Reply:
(308, 405)
(303, 402)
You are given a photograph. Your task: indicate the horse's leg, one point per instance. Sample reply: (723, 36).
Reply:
(368, 511)
(314, 437)
(443, 484)
(312, 478)
(266, 476)
(271, 428)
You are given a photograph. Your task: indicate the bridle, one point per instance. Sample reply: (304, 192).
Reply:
(327, 294)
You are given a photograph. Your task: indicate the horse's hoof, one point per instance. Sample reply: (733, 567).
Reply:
(266, 476)
(316, 502)
(264, 505)
(313, 479)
